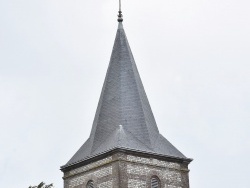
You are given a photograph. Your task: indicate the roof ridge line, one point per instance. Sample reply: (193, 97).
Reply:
(137, 139)
(136, 82)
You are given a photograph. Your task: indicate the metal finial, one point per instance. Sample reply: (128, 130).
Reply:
(120, 17)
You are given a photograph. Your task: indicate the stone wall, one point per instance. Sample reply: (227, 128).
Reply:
(140, 170)
(128, 171)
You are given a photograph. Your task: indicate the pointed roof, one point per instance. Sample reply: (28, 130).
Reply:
(124, 119)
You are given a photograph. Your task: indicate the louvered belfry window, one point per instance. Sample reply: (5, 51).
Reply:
(90, 184)
(155, 182)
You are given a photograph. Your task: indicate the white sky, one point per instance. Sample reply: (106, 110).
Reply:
(193, 58)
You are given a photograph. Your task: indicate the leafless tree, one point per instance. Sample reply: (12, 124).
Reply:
(42, 185)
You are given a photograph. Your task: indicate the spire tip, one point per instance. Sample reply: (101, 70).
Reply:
(120, 17)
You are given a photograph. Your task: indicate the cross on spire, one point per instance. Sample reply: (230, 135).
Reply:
(120, 17)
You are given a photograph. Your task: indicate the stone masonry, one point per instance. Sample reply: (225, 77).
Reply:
(122, 170)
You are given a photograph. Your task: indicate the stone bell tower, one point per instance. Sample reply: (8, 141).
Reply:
(125, 148)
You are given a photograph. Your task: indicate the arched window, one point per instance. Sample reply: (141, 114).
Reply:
(90, 184)
(155, 182)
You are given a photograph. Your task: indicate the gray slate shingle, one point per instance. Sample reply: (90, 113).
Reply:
(124, 118)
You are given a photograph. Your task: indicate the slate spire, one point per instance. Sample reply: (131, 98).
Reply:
(123, 100)
(124, 119)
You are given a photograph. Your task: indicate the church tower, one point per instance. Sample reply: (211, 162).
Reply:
(125, 148)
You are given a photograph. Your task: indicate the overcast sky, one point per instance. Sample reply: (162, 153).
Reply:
(193, 58)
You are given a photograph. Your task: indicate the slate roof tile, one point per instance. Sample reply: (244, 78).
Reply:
(124, 118)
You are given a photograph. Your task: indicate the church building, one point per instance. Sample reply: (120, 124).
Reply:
(125, 148)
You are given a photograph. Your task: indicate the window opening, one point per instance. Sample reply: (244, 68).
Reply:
(90, 184)
(155, 182)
